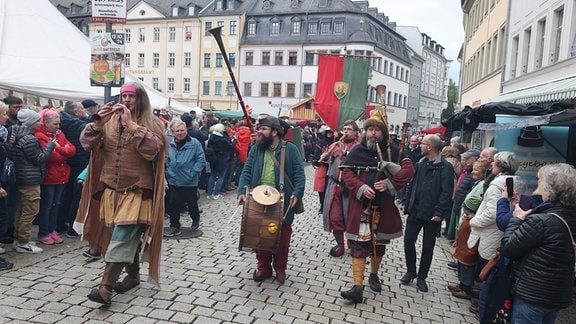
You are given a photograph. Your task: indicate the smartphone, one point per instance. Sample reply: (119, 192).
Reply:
(510, 186)
(525, 202)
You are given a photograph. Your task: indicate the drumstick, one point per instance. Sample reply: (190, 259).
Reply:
(234, 214)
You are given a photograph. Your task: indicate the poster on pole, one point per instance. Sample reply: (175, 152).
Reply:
(107, 64)
(109, 11)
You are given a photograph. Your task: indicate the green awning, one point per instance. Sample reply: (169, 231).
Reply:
(558, 90)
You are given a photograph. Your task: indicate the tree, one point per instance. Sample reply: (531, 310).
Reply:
(452, 100)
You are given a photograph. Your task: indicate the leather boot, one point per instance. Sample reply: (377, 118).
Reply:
(103, 293)
(338, 250)
(373, 280)
(132, 278)
(355, 294)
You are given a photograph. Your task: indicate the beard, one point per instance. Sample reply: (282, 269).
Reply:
(371, 143)
(264, 142)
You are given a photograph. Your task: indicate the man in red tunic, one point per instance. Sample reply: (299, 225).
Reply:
(373, 177)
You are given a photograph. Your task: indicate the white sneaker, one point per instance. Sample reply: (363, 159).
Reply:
(208, 197)
(216, 197)
(2, 250)
(27, 248)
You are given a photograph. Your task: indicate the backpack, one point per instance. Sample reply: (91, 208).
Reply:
(211, 155)
(8, 172)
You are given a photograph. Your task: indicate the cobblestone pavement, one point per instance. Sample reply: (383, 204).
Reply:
(207, 280)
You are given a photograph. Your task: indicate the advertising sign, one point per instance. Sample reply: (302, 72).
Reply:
(107, 64)
(534, 146)
(109, 11)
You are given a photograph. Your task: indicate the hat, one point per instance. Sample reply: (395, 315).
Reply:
(470, 153)
(89, 103)
(187, 119)
(325, 128)
(272, 122)
(472, 202)
(128, 88)
(28, 117)
(377, 120)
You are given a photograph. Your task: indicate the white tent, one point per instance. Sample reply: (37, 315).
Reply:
(42, 54)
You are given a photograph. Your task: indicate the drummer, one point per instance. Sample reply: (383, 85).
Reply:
(260, 169)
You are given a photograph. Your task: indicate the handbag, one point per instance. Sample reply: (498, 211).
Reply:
(485, 272)
(465, 255)
(299, 207)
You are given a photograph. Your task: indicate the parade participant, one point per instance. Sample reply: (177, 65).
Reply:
(428, 201)
(334, 210)
(325, 139)
(372, 180)
(123, 195)
(261, 169)
(185, 162)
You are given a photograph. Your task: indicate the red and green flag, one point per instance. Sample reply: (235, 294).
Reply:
(341, 89)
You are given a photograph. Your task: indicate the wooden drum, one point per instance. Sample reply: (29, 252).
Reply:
(261, 219)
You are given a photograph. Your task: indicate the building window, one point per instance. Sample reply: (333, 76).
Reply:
(307, 90)
(155, 83)
(207, 27)
(233, 27)
(296, 27)
(248, 89)
(290, 90)
(232, 59)
(278, 58)
(142, 33)
(229, 88)
(277, 90)
(266, 58)
(218, 59)
(249, 58)
(172, 34)
(292, 58)
(220, 23)
(170, 84)
(264, 89)
(205, 88)
(188, 33)
(275, 29)
(127, 59)
(156, 34)
(207, 60)
(397, 75)
(155, 59)
(391, 72)
(140, 59)
(313, 28)
(325, 27)
(385, 67)
(309, 59)
(174, 11)
(557, 34)
(171, 59)
(187, 59)
(338, 27)
(217, 88)
(252, 28)
(127, 35)
(186, 84)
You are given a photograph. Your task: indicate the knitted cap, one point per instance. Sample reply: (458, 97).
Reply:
(28, 117)
(472, 202)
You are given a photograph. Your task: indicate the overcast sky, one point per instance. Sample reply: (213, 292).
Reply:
(439, 19)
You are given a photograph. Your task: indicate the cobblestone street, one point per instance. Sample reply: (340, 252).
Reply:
(207, 280)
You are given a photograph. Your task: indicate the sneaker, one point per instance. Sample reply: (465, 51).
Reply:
(453, 266)
(172, 231)
(5, 265)
(56, 238)
(71, 233)
(92, 255)
(216, 197)
(208, 197)
(2, 250)
(46, 240)
(195, 227)
(27, 247)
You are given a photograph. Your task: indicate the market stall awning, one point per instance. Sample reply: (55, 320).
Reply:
(557, 90)
(436, 130)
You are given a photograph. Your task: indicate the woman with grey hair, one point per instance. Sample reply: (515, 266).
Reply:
(540, 240)
(483, 225)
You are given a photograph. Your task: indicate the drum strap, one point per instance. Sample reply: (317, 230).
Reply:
(280, 165)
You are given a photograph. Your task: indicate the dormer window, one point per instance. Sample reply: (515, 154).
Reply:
(296, 26)
(275, 27)
(219, 5)
(251, 28)
(191, 10)
(174, 11)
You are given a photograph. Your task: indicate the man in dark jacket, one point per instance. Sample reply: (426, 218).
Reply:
(73, 120)
(260, 169)
(30, 161)
(428, 201)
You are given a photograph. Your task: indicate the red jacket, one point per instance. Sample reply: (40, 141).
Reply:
(243, 143)
(57, 170)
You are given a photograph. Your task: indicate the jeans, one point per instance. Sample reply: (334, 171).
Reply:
(239, 167)
(49, 206)
(413, 227)
(526, 313)
(216, 181)
(181, 196)
(467, 274)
